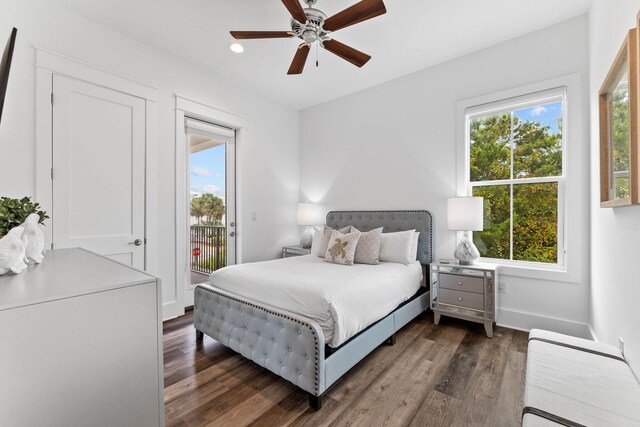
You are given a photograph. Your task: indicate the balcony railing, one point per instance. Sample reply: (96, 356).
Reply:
(208, 248)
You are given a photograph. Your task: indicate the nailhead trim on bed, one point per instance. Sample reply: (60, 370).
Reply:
(291, 354)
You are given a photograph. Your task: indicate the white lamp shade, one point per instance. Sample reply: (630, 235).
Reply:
(465, 213)
(309, 214)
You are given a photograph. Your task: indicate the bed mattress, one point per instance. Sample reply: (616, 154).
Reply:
(343, 300)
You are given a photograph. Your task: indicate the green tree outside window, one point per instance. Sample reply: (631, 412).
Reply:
(509, 152)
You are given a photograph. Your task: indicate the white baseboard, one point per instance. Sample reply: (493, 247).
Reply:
(526, 321)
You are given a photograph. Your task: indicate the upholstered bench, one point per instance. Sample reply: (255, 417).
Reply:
(575, 382)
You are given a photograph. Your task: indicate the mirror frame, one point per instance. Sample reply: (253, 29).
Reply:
(628, 53)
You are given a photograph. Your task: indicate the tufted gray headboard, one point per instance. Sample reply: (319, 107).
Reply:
(421, 221)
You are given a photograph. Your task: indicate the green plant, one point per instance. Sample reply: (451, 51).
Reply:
(14, 212)
(214, 262)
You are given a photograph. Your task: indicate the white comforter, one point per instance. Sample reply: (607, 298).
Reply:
(344, 300)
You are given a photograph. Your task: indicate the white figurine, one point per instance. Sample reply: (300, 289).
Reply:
(34, 238)
(12, 251)
(25, 240)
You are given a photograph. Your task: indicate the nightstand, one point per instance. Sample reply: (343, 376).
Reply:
(465, 292)
(296, 250)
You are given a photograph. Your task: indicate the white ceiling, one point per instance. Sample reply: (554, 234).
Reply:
(413, 35)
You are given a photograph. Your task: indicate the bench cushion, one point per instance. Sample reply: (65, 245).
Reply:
(589, 387)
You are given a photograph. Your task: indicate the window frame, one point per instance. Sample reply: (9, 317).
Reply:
(510, 104)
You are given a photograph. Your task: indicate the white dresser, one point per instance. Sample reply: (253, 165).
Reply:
(80, 344)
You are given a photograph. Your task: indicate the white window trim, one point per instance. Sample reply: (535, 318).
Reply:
(571, 86)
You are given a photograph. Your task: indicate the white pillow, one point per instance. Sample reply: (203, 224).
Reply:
(397, 247)
(414, 246)
(317, 239)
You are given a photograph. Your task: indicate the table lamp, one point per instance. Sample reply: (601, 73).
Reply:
(308, 214)
(465, 214)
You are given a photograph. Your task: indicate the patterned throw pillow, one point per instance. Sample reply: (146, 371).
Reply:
(342, 247)
(324, 242)
(368, 249)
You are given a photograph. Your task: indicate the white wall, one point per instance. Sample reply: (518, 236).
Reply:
(393, 146)
(269, 167)
(615, 286)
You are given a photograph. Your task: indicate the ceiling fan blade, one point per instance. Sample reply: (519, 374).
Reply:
(347, 53)
(295, 9)
(243, 35)
(299, 60)
(366, 9)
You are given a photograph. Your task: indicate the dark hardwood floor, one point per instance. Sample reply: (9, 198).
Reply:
(446, 375)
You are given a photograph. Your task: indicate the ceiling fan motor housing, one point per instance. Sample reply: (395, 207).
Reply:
(310, 31)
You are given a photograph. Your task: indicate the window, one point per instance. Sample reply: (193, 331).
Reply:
(515, 161)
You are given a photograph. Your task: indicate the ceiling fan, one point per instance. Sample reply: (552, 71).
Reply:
(312, 25)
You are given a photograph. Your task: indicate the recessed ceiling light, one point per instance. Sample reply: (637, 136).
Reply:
(236, 47)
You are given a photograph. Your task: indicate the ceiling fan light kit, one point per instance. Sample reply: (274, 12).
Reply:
(312, 26)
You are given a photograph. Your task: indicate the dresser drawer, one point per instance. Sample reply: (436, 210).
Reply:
(462, 299)
(462, 283)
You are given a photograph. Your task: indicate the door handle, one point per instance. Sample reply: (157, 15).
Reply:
(136, 242)
(232, 234)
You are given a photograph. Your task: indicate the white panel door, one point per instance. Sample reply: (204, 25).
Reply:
(98, 170)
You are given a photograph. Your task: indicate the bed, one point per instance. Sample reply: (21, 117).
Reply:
(305, 337)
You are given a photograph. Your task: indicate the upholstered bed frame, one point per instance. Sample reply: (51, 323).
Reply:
(293, 346)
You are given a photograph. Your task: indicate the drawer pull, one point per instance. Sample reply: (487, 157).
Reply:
(459, 298)
(459, 283)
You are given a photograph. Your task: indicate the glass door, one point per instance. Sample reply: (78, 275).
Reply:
(212, 223)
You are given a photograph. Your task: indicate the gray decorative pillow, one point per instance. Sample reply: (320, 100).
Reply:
(368, 249)
(342, 247)
(324, 242)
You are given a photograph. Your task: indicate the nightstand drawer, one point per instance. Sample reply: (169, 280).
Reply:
(462, 299)
(462, 283)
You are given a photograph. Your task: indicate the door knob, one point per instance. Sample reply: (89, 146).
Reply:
(232, 224)
(136, 242)
(232, 234)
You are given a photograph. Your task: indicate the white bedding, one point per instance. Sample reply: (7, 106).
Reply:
(344, 300)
